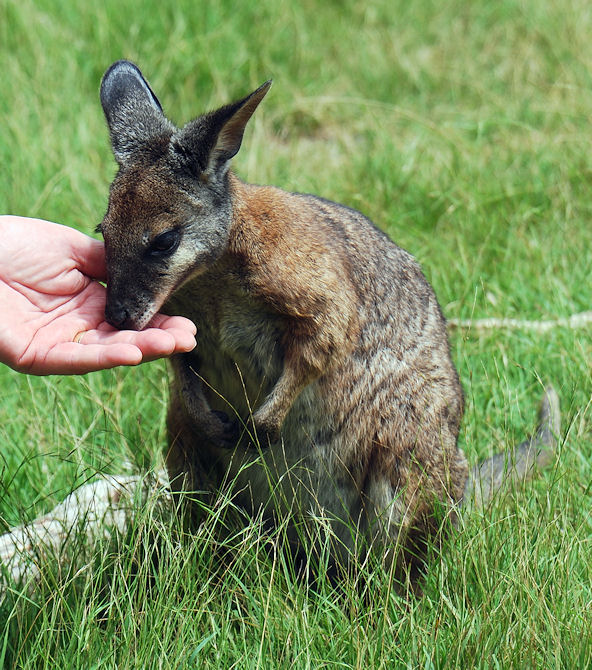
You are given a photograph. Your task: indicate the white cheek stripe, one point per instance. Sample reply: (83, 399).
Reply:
(182, 259)
(184, 256)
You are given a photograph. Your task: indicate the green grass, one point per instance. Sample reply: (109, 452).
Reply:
(464, 130)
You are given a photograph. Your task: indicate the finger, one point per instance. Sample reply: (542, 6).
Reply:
(165, 322)
(161, 321)
(152, 339)
(152, 342)
(89, 254)
(71, 358)
(183, 330)
(184, 339)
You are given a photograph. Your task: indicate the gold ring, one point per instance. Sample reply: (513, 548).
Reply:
(78, 337)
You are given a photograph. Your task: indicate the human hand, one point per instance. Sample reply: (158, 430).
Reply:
(52, 306)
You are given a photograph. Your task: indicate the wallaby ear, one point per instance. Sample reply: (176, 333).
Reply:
(230, 136)
(206, 144)
(134, 114)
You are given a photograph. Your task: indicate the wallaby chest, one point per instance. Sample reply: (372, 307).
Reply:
(239, 353)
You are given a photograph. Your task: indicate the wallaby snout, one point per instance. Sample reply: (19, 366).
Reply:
(117, 315)
(132, 300)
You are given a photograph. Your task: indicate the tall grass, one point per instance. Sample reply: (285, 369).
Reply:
(463, 129)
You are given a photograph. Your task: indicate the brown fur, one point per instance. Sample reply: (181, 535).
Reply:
(322, 384)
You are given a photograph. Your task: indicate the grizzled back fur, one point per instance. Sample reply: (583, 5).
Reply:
(322, 383)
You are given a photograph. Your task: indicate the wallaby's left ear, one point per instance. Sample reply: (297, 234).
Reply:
(231, 135)
(134, 114)
(210, 141)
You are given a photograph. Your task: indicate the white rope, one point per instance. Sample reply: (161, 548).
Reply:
(574, 321)
(98, 510)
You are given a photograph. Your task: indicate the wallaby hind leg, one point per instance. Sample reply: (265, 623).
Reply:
(521, 462)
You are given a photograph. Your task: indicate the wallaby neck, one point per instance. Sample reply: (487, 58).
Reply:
(259, 216)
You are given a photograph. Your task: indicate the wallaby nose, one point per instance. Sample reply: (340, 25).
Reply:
(116, 314)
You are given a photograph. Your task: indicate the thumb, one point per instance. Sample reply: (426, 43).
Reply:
(89, 255)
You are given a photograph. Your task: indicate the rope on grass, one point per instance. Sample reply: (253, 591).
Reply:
(97, 510)
(572, 322)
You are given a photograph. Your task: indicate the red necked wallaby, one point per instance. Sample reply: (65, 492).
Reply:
(322, 384)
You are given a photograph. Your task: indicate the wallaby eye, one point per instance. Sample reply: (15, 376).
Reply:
(165, 243)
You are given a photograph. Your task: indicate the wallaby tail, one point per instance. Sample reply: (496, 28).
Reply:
(521, 462)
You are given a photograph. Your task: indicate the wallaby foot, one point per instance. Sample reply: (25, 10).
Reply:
(521, 462)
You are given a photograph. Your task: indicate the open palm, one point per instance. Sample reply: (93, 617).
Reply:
(52, 306)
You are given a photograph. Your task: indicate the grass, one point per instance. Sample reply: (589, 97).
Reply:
(461, 128)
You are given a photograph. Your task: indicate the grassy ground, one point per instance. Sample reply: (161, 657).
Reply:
(461, 128)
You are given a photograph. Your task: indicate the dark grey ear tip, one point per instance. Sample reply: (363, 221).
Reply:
(121, 77)
(122, 66)
(265, 87)
(117, 75)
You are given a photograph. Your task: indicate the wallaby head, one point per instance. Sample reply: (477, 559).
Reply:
(169, 212)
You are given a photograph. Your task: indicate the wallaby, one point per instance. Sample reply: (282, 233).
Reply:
(322, 384)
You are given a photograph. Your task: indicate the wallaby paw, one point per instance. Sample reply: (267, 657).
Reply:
(227, 434)
(268, 432)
